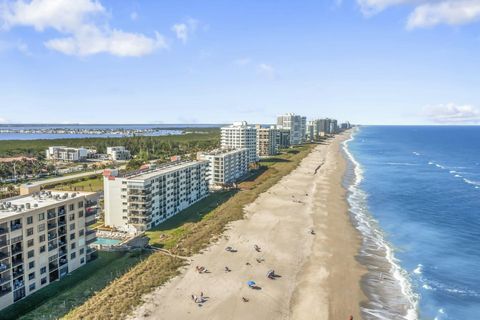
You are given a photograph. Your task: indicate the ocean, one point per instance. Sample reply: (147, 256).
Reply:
(414, 194)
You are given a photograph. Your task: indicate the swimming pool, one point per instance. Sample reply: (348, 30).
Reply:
(107, 241)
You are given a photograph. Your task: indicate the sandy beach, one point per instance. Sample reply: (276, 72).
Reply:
(319, 277)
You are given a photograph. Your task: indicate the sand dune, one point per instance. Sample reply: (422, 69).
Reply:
(319, 276)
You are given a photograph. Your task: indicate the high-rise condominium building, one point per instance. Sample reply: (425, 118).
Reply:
(118, 153)
(296, 124)
(266, 141)
(283, 138)
(225, 166)
(43, 237)
(140, 200)
(240, 135)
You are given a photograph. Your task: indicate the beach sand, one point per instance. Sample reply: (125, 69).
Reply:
(319, 276)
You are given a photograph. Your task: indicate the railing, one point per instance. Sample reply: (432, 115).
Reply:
(89, 223)
(16, 226)
(16, 250)
(17, 262)
(90, 241)
(4, 291)
(5, 278)
(61, 212)
(3, 255)
(3, 230)
(51, 226)
(61, 223)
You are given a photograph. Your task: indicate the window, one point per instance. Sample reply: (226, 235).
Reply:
(82, 261)
(80, 213)
(43, 270)
(30, 220)
(80, 205)
(72, 226)
(31, 265)
(44, 280)
(81, 232)
(72, 236)
(30, 243)
(42, 249)
(41, 227)
(31, 276)
(71, 217)
(72, 246)
(72, 256)
(31, 253)
(31, 287)
(29, 232)
(41, 238)
(71, 207)
(82, 251)
(41, 216)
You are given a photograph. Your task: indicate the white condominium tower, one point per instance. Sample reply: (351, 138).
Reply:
(296, 124)
(43, 237)
(225, 166)
(138, 201)
(240, 135)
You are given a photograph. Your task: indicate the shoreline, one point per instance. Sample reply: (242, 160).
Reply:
(385, 283)
(320, 276)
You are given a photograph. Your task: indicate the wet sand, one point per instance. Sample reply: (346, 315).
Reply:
(319, 277)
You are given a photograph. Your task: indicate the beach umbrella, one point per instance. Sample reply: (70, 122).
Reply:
(251, 283)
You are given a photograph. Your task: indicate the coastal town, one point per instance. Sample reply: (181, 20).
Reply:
(47, 234)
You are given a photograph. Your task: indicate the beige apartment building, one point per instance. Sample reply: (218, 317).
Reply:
(225, 166)
(138, 201)
(43, 237)
(266, 141)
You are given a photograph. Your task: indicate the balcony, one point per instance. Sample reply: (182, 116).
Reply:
(3, 230)
(61, 212)
(90, 212)
(4, 279)
(91, 222)
(63, 261)
(52, 246)
(52, 225)
(53, 266)
(18, 273)
(5, 290)
(90, 241)
(52, 236)
(17, 262)
(15, 226)
(16, 248)
(3, 255)
(4, 266)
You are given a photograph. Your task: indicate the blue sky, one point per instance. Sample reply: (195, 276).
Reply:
(367, 61)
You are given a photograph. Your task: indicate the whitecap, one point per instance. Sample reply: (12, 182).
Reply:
(418, 269)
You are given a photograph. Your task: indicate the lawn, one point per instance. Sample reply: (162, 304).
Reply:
(89, 184)
(55, 300)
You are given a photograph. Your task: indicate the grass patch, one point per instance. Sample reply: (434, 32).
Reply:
(119, 298)
(59, 297)
(89, 184)
(185, 234)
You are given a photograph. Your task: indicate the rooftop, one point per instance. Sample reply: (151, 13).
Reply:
(217, 152)
(17, 205)
(162, 169)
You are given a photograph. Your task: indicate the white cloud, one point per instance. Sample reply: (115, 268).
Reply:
(267, 70)
(78, 21)
(3, 120)
(452, 113)
(445, 12)
(185, 29)
(428, 13)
